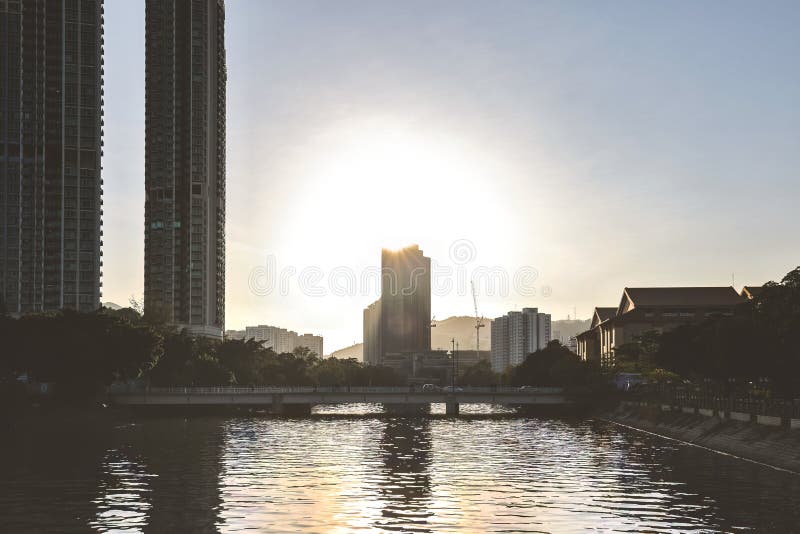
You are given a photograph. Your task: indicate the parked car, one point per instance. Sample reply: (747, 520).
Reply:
(449, 389)
(430, 387)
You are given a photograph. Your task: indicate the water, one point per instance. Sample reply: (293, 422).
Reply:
(344, 473)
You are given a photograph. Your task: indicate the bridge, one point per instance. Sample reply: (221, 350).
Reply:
(277, 399)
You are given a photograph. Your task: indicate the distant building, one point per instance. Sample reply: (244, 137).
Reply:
(51, 131)
(281, 340)
(234, 334)
(572, 344)
(184, 246)
(400, 321)
(311, 342)
(646, 309)
(469, 357)
(433, 366)
(372, 333)
(518, 334)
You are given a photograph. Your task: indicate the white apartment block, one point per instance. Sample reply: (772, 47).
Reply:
(282, 340)
(516, 335)
(314, 343)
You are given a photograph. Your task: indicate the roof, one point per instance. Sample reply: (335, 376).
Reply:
(605, 313)
(601, 315)
(680, 296)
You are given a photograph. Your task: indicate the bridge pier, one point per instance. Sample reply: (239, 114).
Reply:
(281, 408)
(451, 408)
(277, 404)
(296, 409)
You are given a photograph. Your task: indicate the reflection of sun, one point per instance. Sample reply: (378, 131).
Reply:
(389, 184)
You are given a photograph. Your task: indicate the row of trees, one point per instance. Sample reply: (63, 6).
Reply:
(82, 353)
(760, 344)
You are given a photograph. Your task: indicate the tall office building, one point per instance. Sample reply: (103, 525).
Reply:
(184, 282)
(516, 335)
(400, 321)
(51, 129)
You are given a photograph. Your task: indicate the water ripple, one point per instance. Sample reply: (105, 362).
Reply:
(336, 473)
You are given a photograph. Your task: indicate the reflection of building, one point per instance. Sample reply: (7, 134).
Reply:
(651, 309)
(51, 116)
(405, 479)
(400, 321)
(279, 339)
(185, 462)
(185, 76)
(518, 334)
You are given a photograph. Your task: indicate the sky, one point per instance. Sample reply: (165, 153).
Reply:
(570, 148)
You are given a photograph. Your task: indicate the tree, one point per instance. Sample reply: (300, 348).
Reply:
(479, 374)
(245, 359)
(761, 341)
(554, 365)
(638, 356)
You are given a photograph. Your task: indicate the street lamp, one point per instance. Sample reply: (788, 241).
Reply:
(453, 362)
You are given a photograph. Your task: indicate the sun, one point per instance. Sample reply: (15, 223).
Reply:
(389, 184)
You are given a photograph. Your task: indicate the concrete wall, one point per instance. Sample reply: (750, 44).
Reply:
(766, 442)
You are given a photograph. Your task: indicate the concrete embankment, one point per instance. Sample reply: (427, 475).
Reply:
(772, 445)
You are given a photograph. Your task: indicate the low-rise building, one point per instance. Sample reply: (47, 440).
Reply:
(647, 309)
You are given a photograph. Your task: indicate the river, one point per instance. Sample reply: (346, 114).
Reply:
(345, 469)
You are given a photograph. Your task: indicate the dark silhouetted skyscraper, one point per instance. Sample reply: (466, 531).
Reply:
(185, 164)
(51, 129)
(400, 321)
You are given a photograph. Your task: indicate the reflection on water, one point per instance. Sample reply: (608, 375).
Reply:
(336, 473)
(405, 480)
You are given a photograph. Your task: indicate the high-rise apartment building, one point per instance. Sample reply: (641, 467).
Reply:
(518, 334)
(51, 130)
(185, 164)
(400, 321)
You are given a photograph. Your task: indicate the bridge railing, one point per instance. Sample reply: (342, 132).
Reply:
(273, 390)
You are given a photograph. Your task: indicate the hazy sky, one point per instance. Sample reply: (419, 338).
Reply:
(603, 144)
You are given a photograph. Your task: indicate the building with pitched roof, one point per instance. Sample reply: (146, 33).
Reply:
(644, 309)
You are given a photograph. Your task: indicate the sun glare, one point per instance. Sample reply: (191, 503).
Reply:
(373, 176)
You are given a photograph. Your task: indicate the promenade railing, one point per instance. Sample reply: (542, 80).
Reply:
(709, 399)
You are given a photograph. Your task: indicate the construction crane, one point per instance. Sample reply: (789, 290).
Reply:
(478, 322)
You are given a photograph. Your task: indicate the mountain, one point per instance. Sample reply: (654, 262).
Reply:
(462, 328)
(566, 328)
(112, 306)
(353, 351)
